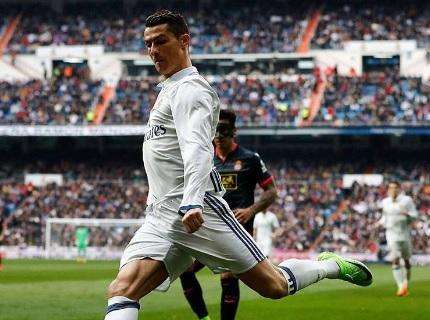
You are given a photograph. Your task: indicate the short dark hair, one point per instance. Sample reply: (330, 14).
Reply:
(394, 181)
(228, 115)
(175, 21)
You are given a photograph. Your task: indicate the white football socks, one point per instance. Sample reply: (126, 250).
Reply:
(302, 273)
(122, 308)
(399, 274)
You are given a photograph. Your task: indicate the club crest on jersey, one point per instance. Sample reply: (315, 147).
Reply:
(229, 181)
(237, 165)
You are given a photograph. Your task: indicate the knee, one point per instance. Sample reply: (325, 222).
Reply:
(407, 264)
(189, 283)
(396, 262)
(228, 278)
(229, 283)
(187, 275)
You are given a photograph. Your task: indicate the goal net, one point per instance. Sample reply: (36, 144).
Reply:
(106, 238)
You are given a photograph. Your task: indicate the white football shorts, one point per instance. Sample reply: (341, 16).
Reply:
(221, 243)
(266, 247)
(400, 249)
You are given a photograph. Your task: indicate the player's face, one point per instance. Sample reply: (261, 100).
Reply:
(225, 135)
(393, 190)
(166, 50)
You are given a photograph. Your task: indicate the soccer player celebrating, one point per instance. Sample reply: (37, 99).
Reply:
(398, 212)
(186, 216)
(240, 170)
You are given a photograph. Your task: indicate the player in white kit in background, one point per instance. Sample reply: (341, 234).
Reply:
(186, 217)
(398, 212)
(265, 225)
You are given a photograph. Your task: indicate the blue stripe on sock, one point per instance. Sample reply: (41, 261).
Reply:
(292, 277)
(123, 305)
(239, 228)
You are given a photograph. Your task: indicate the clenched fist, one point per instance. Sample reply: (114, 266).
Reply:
(243, 215)
(193, 220)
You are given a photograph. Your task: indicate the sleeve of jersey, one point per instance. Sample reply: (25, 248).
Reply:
(255, 223)
(275, 222)
(192, 110)
(264, 178)
(412, 210)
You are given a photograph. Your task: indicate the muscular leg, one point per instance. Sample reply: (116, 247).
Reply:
(193, 290)
(291, 275)
(135, 280)
(399, 273)
(230, 296)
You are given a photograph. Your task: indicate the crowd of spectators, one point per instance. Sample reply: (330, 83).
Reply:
(272, 29)
(372, 21)
(317, 213)
(375, 98)
(257, 100)
(88, 191)
(132, 102)
(232, 28)
(67, 98)
(314, 209)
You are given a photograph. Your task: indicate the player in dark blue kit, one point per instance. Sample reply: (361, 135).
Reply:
(241, 170)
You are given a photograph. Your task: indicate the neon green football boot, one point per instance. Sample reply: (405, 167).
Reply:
(350, 270)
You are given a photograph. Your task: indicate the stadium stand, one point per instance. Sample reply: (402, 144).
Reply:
(342, 22)
(309, 198)
(277, 28)
(315, 211)
(375, 98)
(120, 32)
(67, 98)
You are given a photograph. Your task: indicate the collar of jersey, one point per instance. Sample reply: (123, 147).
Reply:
(177, 77)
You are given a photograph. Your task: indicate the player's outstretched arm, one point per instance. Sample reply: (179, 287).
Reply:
(193, 115)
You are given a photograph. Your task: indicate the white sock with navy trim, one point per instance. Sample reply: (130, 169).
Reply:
(399, 274)
(122, 308)
(302, 273)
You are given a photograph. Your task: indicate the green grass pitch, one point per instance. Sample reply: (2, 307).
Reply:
(40, 289)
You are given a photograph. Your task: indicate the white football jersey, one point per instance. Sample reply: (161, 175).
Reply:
(395, 222)
(177, 147)
(264, 226)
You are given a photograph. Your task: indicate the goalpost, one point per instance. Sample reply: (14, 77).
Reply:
(107, 237)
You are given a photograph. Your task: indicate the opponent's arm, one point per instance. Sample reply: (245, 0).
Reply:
(267, 198)
(266, 181)
(192, 110)
(411, 211)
